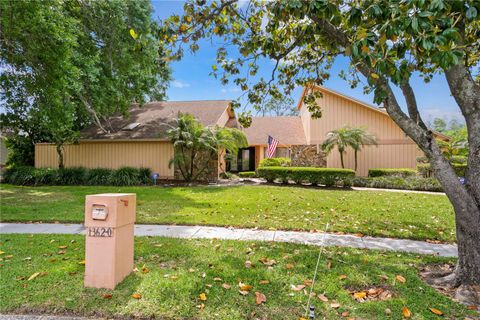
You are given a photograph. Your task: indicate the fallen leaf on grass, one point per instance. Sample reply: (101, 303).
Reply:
(33, 276)
(260, 298)
(342, 277)
(307, 282)
(82, 262)
(268, 262)
(107, 296)
(345, 314)
(436, 311)
(226, 286)
(244, 287)
(136, 296)
(297, 287)
(289, 266)
(472, 307)
(323, 298)
(248, 264)
(217, 279)
(359, 295)
(406, 312)
(145, 270)
(62, 247)
(264, 282)
(203, 296)
(201, 306)
(2, 252)
(335, 305)
(400, 279)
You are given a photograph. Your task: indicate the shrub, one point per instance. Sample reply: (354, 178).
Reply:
(426, 170)
(247, 174)
(324, 176)
(20, 175)
(275, 162)
(71, 176)
(99, 176)
(392, 182)
(400, 172)
(126, 176)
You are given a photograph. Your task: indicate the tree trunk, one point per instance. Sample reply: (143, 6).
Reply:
(341, 160)
(355, 156)
(59, 148)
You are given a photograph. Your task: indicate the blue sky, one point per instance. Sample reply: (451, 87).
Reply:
(192, 80)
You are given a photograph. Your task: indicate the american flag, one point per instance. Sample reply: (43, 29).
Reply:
(272, 146)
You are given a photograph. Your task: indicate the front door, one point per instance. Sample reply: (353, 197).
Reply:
(245, 160)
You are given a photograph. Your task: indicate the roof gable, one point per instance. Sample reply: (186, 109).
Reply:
(287, 130)
(153, 119)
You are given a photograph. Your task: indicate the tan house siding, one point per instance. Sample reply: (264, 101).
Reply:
(381, 156)
(394, 150)
(110, 154)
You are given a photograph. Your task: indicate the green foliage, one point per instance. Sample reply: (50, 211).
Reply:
(99, 176)
(195, 145)
(315, 176)
(426, 169)
(397, 172)
(247, 174)
(21, 151)
(346, 137)
(77, 63)
(396, 182)
(275, 162)
(279, 107)
(29, 176)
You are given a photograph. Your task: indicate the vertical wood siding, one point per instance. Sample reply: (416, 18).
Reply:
(395, 149)
(149, 154)
(381, 156)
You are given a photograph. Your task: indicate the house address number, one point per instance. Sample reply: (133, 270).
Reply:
(100, 232)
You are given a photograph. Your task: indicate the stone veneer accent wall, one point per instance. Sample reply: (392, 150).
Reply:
(307, 156)
(210, 174)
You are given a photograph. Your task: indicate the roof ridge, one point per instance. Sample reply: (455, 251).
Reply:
(156, 101)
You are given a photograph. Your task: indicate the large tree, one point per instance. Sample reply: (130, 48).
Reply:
(387, 42)
(66, 64)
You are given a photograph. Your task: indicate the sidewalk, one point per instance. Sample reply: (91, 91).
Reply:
(411, 246)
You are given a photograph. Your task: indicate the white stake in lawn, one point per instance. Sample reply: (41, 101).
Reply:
(308, 307)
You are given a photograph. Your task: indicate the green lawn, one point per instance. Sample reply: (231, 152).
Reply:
(375, 213)
(176, 272)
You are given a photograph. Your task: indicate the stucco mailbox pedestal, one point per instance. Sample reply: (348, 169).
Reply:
(109, 222)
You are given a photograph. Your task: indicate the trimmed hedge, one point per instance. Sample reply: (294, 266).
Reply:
(400, 172)
(247, 174)
(426, 169)
(323, 176)
(275, 162)
(390, 182)
(29, 176)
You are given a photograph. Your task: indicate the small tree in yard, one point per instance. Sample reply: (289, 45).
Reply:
(386, 42)
(195, 145)
(360, 137)
(341, 139)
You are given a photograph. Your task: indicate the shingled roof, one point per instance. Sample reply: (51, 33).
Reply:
(152, 120)
(287, 130)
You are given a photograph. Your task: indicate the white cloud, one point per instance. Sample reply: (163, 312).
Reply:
(180, 84)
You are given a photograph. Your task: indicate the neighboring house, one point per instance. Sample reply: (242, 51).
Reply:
(3, 152)
(138, 141)
(141, 141)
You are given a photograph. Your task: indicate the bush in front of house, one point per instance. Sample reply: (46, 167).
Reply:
(426, 170)
(395, 172)
(247, 174)
(315, 176)
(395, 182)
(275, 162)
(30, 176)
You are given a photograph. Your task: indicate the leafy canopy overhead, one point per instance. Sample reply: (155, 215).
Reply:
(65, 64)
(390, 39)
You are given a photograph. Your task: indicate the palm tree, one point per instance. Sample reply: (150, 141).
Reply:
(340, 138)
(360, 137)
(195, 145)
(346, 137)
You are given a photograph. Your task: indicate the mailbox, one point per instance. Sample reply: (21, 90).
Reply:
(109, 222)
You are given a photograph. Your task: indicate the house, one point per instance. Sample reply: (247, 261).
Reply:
(141, 140)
